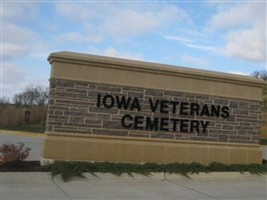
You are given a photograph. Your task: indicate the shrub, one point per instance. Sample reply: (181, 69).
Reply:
(13, 153)
(72, 169)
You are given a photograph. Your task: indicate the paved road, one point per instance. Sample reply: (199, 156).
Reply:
(34, 143)
(216, 186)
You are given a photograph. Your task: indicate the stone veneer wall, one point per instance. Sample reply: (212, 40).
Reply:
(72, 109)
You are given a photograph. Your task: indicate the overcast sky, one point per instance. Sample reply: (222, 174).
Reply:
(219, 36)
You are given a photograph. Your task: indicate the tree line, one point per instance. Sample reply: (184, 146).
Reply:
(33, 95)
(262, 75)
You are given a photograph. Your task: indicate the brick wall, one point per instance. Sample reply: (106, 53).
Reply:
(73, 108)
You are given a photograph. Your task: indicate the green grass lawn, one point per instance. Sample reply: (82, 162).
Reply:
(264, 91)
(263, 141)
(36, 128)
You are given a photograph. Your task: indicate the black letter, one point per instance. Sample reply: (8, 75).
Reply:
(183, 108)
(123, 121)
(225, 112)
(98, 100)
(194, 124)
(194, 107)
(174, 123)
(215, 110)
(150, 125)
(174, 106)
(184, 125)
(122, 102)
(138, 120)
(163, 105)
(204, 125)
(153, 108)
(205, 111)
(111, 101)
(164, 122)
(135, 104)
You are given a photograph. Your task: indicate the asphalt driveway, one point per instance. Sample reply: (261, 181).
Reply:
(29, 140)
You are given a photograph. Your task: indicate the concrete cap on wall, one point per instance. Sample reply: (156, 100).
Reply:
(133, 65)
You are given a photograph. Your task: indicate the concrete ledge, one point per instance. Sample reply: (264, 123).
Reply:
(21, 133)
(156, 68)
(150, 139)
(264, 131)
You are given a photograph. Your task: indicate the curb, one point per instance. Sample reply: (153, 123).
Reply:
(168, 176)
(153, 175)
(22, 133)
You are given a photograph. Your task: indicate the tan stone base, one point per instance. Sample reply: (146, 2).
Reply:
(129, 150)
(264, 131)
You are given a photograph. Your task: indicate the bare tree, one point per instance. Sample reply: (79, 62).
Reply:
(263, 76)
(260, 75)
(4, 100)
(33, 95)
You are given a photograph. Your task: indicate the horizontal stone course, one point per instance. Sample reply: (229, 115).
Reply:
(107, 88)
(163, 135)
(110, 132)
(73, 109)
